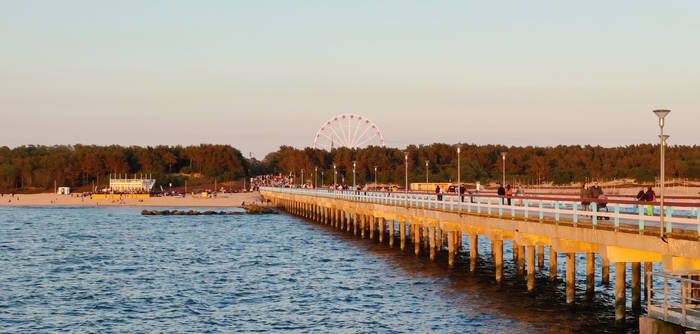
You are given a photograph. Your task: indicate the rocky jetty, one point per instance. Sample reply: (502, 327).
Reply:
(186, 213)
(249, 209)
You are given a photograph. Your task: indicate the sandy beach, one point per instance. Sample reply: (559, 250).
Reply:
(50, 199)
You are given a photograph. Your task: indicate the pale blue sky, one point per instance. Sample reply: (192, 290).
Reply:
(259, 74)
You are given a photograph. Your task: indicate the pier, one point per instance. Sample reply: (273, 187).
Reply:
(624, 236)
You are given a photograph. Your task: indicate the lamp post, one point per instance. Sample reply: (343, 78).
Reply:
(503, 155)
(375, 178)
(459, 174)
(354, 165)
(301, 182)
(426, 170)
(406, 164)
(322, 179)
(335, 177)
(315, 177)
(662, 113)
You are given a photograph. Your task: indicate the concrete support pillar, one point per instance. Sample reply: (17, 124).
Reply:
(521, 260)
(355, 223)
(605, 272)
(570, 278)
(424, 236)
(636, 286)
(431, 237)
(364, 219)
(451, 249)
(590, 273)
(620, 298)
(439, 239)
(647, 282)
(382, 228)
(498, 259)
(515, 252)
(530, 268)
(552, 264)
(416, 235)
(459, 241)
(372, 226)
(540, 257)
(402, 234)
(391, 233)
(473, 251)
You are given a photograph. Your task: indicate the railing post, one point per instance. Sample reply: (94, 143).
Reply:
(641, 220)
(594, 215)
(575, 217)
(556, 213)
(489, 206)
(478, 206)
(526, 212)
(668, 212)
(541, 213)
(617, 219)
(500, 209)
(512, 209)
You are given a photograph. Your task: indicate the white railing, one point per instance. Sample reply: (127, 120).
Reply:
(677, 300)
(683, 215)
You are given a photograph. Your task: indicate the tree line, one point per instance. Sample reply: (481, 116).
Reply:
(38, 167)
(559, 165)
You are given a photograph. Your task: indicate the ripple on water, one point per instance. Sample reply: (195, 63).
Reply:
(111, 269)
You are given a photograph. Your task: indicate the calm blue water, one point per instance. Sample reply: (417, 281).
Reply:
(113, 270)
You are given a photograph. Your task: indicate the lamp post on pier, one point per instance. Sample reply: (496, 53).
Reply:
(335, 177)
(406, 164)
(322, 179)
(459, 174)
(302, 182)
(354, 165)
(375, 178)
(662, 113)
(503, 155)
(426, 170)
(315, 177)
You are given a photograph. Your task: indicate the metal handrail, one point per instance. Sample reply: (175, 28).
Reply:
(676, 303)
(478, 202)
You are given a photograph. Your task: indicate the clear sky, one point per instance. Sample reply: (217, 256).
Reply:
(259, 74)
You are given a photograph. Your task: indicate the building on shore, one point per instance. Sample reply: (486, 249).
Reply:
(131, 186)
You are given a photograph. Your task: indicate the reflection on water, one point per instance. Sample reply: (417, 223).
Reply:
(111, 269)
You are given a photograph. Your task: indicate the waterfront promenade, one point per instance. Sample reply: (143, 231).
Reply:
(531, 226)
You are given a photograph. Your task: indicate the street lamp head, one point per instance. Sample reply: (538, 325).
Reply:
(664, 139)
(661, 113)
(503, 155)
(354, 163)
(459, 149)
(426, 163)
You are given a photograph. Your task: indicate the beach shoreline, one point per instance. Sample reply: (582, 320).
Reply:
(51, 199)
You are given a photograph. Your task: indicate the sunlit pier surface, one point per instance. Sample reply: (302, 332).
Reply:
(619, 230)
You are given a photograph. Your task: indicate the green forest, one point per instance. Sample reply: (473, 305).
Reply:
(40, 167)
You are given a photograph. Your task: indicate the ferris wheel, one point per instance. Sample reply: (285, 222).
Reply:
(348, 130)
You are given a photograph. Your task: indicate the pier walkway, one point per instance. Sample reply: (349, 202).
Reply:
(624, 233)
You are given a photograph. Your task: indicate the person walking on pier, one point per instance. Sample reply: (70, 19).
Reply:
(501, 193)
(509, 193)
(585, 195)
(438, 193)
(596, 192)
(650, 196)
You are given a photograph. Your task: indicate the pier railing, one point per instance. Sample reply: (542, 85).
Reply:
(683, 216)
(677, 299)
